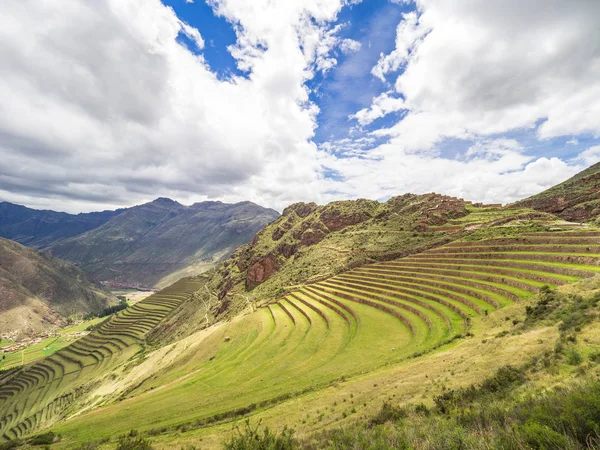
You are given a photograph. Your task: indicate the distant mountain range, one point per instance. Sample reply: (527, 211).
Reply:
(41, 228)
(37, 291)
(148, 245)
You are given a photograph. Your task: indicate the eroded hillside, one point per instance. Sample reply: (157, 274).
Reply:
(38, 292)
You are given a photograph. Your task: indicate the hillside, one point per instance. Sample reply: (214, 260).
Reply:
(327, 315)
(326, 354)
(577, 199)
(159, 242)
(37, 291)
(309, 243)
(41, 228)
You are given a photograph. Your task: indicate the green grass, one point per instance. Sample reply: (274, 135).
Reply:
(39, 392)
(346, 326)
(45, 347)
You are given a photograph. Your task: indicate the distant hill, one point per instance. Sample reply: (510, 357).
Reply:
(159, 242)
(577, 199)
(38, 291)
(41, 228)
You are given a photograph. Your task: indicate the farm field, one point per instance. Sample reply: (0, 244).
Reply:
(45, 347)
(39, 394)
(367, 319)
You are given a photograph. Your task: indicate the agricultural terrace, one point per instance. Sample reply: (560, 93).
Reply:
(37, 395)
(349, 324)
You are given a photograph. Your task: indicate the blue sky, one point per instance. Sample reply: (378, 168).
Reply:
(311, 100)
(339, 93)
(350, 86)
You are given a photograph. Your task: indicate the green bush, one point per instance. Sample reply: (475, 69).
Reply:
(133, 442)
(504, 379)
(388, 413)
(42, 439)
(252, 438)
(535, 435)
(574, 357)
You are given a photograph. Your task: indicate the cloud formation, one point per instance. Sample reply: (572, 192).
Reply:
(473, 71)
(101, 104)
(103, 107)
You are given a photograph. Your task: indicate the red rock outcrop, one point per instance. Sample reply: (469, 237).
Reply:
(260, 271)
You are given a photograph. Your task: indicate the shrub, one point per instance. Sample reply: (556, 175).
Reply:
(92, 445)
(539, 436)
(251, 438)
(504, 379)
(10, 445)
(42, 439)
(574, 357)
(388, 413)
(134, 442)
(595, 357)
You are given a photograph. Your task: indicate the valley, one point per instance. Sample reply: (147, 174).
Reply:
(326, 315)
(300, 225)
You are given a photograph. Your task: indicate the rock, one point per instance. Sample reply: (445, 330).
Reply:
(287, 250)
(301, 209)
(311, 237)
(260, 271)
(336, 220)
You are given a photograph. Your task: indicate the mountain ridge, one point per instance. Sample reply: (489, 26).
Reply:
(39, 228)
(153, 241)
(38, 292)
(576, 199)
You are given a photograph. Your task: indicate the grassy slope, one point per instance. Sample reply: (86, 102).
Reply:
(263, 362)
(458, 365)
(162, 382)
(373, 232)
(577, 199)
(497, 342)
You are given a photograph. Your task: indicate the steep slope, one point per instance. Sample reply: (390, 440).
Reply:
(41, 228)
(577, 199)
(37, 291)
(161, 241)
(310, 243)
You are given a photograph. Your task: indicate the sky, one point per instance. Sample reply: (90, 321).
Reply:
(112, 103)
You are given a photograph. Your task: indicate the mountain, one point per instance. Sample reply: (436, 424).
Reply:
(38, 291)
(577, 199)
(156, 243)
(41, 228)
(358, 317)
(309, 243)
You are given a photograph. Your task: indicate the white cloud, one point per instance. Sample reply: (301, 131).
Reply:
(409, 34)
(480, 68)
(102, 107)
(590, 156)
(349, 46)
(381, 106)
(506, 177)
(474, 71)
